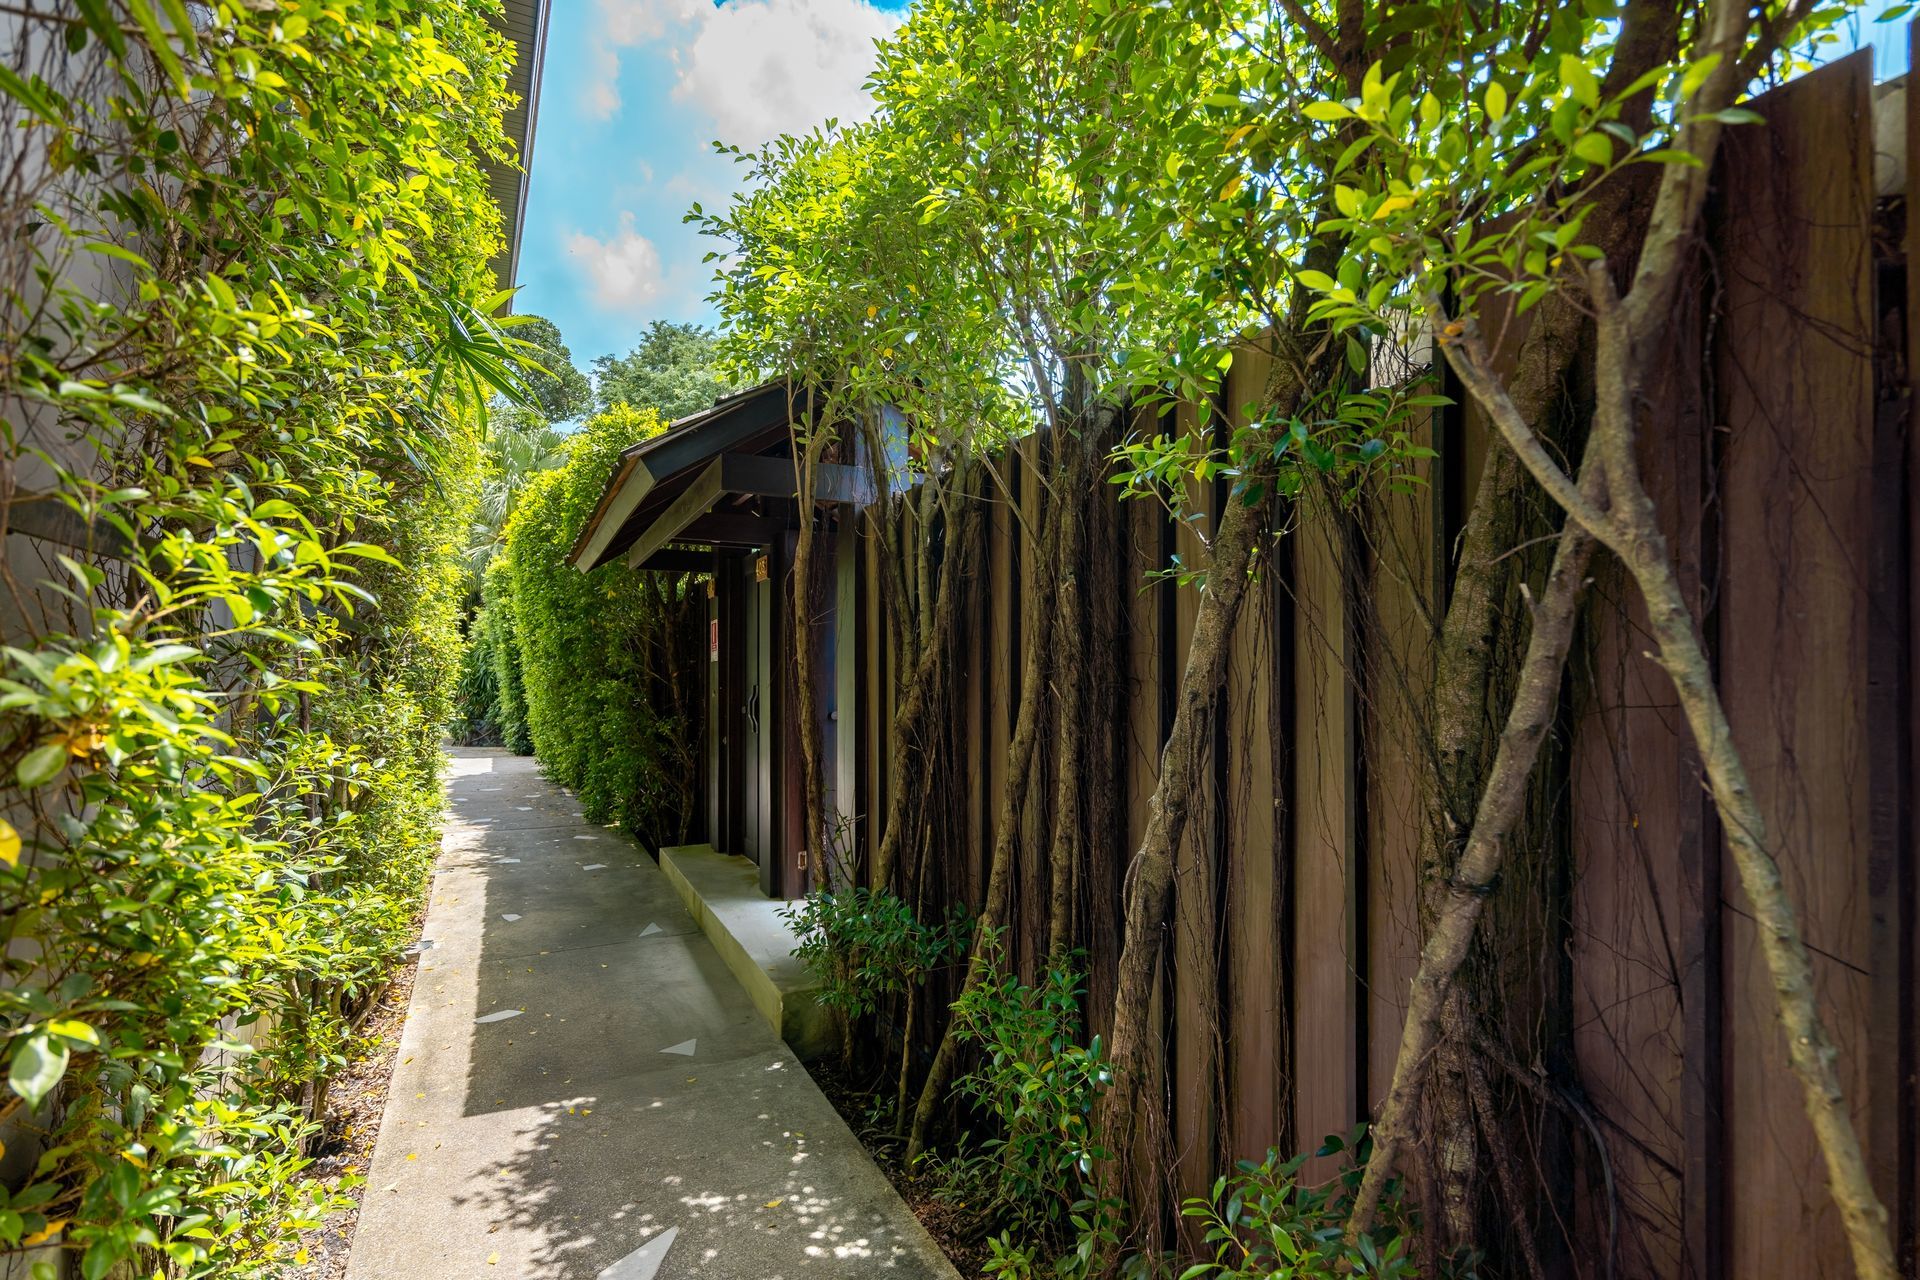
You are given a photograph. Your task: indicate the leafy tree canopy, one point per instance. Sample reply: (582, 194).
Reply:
(560, 389)
(671, 370)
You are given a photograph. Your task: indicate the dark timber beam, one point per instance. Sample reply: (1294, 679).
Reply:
(722, 529)
(683, 511)
(748, 475)
(677, 560)
(774, 478)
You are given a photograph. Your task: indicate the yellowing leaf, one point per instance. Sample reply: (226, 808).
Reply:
(1233, 186)
(493, 1259)
(1496, 102)
(9, 844)
(775, 1204)
(45, 1233)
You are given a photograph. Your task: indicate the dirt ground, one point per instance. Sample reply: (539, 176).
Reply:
(359, 1100)
(960, 1231)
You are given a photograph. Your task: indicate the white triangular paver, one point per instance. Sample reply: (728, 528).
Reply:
(643, 1263)
(509, 917)
(650, 930)
(685, 1048)
(595, 866)
(501, 1016)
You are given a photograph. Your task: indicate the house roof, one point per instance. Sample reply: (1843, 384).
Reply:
(666, 488)
(524, 23)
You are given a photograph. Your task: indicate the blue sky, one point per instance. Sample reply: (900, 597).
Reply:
(632, 93)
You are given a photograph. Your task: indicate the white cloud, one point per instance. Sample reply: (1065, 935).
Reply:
(624, 269)
(754, 68)
(602, 83)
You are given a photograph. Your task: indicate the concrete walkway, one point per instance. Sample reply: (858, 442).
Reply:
(585, 1093)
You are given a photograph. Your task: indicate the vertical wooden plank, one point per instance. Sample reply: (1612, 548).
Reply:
(1146, 529)
(716, 730)
(1251, 958)
(1003, 658)
(1796, 256)
(1327, 1009)
(1645, 925)
(1192, 950)
(1402, 603)
(1897, 889)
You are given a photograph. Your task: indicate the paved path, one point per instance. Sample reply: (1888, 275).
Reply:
(585, 1093)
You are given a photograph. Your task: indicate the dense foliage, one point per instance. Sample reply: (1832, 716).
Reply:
(244, 358)
(600, 675)
(1062, 211)
(671, 370)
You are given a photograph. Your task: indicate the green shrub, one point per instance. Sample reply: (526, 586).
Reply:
(1041, 1086)
(1263, 1222)
(612, 663)
(246, 333)
(501, 639)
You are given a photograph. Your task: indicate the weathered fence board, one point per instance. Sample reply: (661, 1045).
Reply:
(1654, 1117)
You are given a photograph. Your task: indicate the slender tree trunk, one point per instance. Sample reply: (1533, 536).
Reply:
(1630, 528)
(1150, 877)
(806, 461)
(1067, 847)
(1020, 753)
(906, 1057)
(1457, 908)
(910, 720)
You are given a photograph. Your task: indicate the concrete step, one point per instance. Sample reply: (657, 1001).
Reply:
(722, 893)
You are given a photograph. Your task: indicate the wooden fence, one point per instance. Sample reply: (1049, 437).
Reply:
(1662, 1129)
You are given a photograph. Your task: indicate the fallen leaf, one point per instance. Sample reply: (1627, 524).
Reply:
(773, 1204)
(493, 1259)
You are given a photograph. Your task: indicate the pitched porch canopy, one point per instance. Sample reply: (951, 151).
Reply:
(723, 477)
(716, 494)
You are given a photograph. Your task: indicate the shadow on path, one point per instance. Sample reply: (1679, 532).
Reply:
(580, 1075)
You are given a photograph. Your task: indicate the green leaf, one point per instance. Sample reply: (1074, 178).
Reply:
(1327, 111)
(1696, 75)
(27, 95)
(1496, 102)
(40, 765)
(1319, 281)
(1672, 155)
(74, 1029)
(1593, 148)
(38, 1063)
(1575, 74)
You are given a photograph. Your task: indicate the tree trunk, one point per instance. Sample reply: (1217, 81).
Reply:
(1020, 753)
(910, 720)
(812, 768)
(1630, 529)
(1234, 557)
(1457, 908)
(1067, 847)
